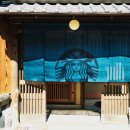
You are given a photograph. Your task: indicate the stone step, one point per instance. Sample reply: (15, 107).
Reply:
(63, 106)
(69, 112)
(74, 112)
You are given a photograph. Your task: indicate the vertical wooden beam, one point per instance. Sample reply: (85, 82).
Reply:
(77, 102)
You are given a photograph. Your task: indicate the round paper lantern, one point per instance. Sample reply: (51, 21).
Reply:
(74, 24)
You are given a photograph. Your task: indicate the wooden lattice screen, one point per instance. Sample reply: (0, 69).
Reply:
(60, 92)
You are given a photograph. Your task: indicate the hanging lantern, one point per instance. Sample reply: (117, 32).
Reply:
(74, 24)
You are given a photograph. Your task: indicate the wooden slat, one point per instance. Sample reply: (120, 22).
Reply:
(25, 100)
(124, 104)
(28, 98)
(115, 102)
(31, 99)
(109, 101)
(107, 105)
(112, 104)
(119, 101)
(41, 99)
(22, 96)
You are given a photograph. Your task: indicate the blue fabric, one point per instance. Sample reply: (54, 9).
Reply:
(52, 71)
(101, 70)
(112, 69)
(34, 70)
(125, 69)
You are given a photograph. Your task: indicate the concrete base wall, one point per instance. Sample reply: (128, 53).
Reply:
(35, 120)
(114, 119)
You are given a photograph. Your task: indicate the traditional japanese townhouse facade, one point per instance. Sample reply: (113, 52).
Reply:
(46, 62)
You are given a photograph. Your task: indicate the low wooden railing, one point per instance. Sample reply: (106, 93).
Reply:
(115, 99)
(33, 97)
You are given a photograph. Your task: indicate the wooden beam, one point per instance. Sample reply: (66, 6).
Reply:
(95, 18)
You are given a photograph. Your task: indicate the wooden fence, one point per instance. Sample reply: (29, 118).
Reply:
(33, 97)
(33, 100)
(115, 99)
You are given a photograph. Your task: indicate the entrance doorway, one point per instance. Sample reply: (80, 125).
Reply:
(58, 92)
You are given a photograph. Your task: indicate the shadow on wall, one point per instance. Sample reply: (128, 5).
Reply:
(93, 105)
(98, 104)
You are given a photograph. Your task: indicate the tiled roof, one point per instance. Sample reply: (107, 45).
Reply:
(69, 1)
(69, 8)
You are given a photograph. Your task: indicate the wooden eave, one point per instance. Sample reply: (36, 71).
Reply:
(16, 17)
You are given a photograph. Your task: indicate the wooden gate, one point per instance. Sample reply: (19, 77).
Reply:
(60, 92)
(115, 103)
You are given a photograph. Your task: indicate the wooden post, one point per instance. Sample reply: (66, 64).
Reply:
(14, 86)
(77, 102)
